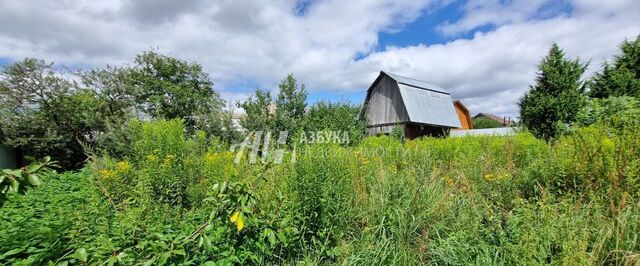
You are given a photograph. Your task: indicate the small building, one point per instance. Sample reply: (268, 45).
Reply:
(504, 121)
(419, 107)
(463, 115)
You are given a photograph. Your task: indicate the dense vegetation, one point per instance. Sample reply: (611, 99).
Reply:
(177, 199)
(167, 190)
(559, 93)
(484, 122)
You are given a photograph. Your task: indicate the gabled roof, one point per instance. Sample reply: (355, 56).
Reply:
(425, 102)
(501, 120)
(459, 103)
(416, 83)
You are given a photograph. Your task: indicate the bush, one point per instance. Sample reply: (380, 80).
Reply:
(341, 117)
(615, 112)
(482, 200)
(483, 122)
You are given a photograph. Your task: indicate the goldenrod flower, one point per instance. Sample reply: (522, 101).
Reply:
(210, 157)
(106, 173)
(449, 180)
(167, 161)
(151, 157)
(123, 166)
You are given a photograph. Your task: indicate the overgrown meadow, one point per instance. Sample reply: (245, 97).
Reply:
(178, 199)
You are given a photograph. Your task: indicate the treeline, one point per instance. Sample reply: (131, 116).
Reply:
(561, 101)
(48, 111)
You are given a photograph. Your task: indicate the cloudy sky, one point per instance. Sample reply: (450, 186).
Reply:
(484, 52)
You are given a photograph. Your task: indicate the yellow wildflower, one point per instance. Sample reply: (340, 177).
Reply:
(210, 157)
(449, 181)
(123, 166)
(167, 160)
(608, 144)
(106, 174)
(151, 157)
(488, 177)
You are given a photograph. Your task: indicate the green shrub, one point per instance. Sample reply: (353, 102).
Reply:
(484, 122)
(177, 199)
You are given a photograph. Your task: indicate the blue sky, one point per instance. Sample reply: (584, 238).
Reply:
(483, 51)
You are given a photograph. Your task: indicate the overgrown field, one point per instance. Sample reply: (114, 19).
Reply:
(175, 200)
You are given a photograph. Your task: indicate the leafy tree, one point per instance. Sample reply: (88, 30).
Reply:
(290, 105)
(285, 113)
(219, 124)
(113, 87)
(622, 77)
(43, 114)
(169, 88)
(556, 97)
(483, 122)
(341, 116)
(258, 116)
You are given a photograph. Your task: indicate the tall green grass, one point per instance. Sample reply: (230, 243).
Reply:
(458, 201)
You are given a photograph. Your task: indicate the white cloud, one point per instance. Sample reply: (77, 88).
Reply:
(493, 12)
(261, 41)
(492, 71)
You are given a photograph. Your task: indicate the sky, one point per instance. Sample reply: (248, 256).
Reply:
(484, 52)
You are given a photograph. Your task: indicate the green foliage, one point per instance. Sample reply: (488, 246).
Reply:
(50, 222)
(622, 77)
(177, 199)
(290, 105)
(284, 113)
(556, 97)
(483, 122)
(171, 88)
(43, 114)
(258, 113)
(398, 132)
(19, 180)
(341, 117)
(615, 112)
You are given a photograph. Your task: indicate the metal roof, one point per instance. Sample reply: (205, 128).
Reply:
(416, 83)
(500, 131)
(428, 106)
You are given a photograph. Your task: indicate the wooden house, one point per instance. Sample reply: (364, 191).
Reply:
(504, 121)
(419, 107)
(463, 115)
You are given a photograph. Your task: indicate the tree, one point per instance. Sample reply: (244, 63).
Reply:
(258, 114)
(614, 112)
(167, 87)
(290, 105)
(285, 113)
(556, 97)
(622, 77)
(42, 113)
(113, 87)
(341, 116)
(483, 122)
